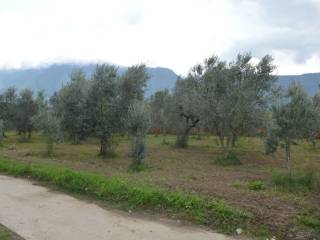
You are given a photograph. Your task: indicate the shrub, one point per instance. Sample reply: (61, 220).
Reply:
(297, 182)
(256, 185)
(230, 159)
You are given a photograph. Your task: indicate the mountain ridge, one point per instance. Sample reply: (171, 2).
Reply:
(51, 77)
(310, 81)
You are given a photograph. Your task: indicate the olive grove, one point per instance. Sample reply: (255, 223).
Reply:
(227, 99)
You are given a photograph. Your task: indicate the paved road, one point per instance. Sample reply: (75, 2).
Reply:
(36, 213)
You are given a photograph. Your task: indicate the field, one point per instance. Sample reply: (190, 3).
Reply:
(293, 214)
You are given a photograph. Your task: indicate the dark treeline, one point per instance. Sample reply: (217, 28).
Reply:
(226, 99)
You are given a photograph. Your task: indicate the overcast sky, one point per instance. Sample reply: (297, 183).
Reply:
(168, 33)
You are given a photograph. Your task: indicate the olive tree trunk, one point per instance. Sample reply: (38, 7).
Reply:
(183, 135)
(138, 150)
(103, 146)
(288, 158)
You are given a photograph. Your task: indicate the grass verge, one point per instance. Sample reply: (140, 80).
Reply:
(215, 213)
(4, 235)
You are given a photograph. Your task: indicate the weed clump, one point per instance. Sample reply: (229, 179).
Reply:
(230, 159)
(256, 185)
(296, 182)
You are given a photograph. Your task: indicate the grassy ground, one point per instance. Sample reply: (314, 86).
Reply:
(6, 234)
(248, 187)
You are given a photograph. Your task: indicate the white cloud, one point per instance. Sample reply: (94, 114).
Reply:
(175, 34)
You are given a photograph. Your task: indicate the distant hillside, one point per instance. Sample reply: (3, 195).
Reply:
(310, 81)
(51, 78)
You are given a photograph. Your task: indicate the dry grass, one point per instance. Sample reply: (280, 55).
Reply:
(193, 170)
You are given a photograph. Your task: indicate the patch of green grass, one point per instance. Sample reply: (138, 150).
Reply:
(4, 235)
(230, 159)
(297, 182)
(140, 168)
(263, 233)
(115, 189)
(311, 222)
(108, 155)
(310, 218)
(256, 185)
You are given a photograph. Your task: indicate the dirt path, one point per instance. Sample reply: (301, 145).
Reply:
(36, 213)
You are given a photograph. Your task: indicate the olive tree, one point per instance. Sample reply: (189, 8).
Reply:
(40, 100)
(8, 108)
(70, 106)
(214, 97)
(235, 95)
(25, 110)
(138, 123)
(103, 105)
(161, 110)
(1, 130)
(290, 122)
(315, 123)
(48, 124)
(132, 85)
(187, 104)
